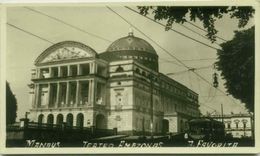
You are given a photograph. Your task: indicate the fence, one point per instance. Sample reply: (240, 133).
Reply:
(43, 131)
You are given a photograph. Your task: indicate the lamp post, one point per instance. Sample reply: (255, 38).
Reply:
(151, 103)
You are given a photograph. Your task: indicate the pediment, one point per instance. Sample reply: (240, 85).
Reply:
(65, 51)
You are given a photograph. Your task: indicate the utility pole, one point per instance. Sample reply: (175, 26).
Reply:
(151, 105)
(222, 118)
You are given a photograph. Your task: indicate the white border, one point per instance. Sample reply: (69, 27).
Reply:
(12, 3)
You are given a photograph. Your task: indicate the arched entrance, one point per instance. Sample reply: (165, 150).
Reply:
(80, 120)
(40, 119)
(100, 121)
(165, 126)
(69, 120)
(50, 119)
(181, 126)
(59, 120)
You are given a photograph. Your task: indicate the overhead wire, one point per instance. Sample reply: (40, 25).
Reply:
(25, 31)
(32, 34)
(178, 32)
(205, 105)
(195, 32)
(178, 60)
(68, 24)
(187, 60)
(197, 27)
(205, 30)
(190, 69)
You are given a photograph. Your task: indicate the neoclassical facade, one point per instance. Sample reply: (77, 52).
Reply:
(119, 88)
(237, 125)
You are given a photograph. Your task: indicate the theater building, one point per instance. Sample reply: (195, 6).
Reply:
(119, 88)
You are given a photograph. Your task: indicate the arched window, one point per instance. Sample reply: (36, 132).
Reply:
(80, 120)
(59, 120)
(143, 73)
(119, 69)
(236, 122)
(137, 70)
(100, 121)
(69, 120)
(244, 124)
(40, 119)
(165, 126)
(50, 120)
(228, 126)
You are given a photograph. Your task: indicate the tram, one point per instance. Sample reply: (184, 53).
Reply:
(205, 129)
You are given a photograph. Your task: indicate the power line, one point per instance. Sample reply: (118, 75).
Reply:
(202, 104)
(205, 30)
(180, 33)
(204, 96)
(37, 36)
(168, 52)
(68, 24)
(198, 28)
(187, 60)
(27, 32)
(202, 59)
(196, 32)
(190, 69)
(172, 62)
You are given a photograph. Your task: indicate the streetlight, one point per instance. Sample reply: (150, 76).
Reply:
(151, 103)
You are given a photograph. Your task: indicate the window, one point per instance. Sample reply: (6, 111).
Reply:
(119, 69)
(54, 72)
(237, 125)
(64, 71)
(143, 73)
(228, 126)
(244, 124)
(73, 70)
(84, 69)
(137, 70)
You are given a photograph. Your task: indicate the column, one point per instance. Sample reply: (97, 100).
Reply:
(77, 92)
(92, 91)
(32, 95)
(67, 94)
(78, 68)
(48, 96)
(50, 72)
(93, 68)
(36, 92)
(90, 68)
(59, 71)
(58, 96)
(68, 70)
(38, 73)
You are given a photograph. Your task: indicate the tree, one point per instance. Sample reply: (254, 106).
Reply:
(11, 105)
(207, 15)
(236, 63)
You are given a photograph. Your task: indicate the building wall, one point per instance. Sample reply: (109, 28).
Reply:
(119, 94)
(88, 116)
(121, 120)
(234, 124)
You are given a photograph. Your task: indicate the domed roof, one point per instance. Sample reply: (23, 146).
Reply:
(131, 42)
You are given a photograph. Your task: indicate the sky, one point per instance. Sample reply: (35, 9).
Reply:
(23, 49)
